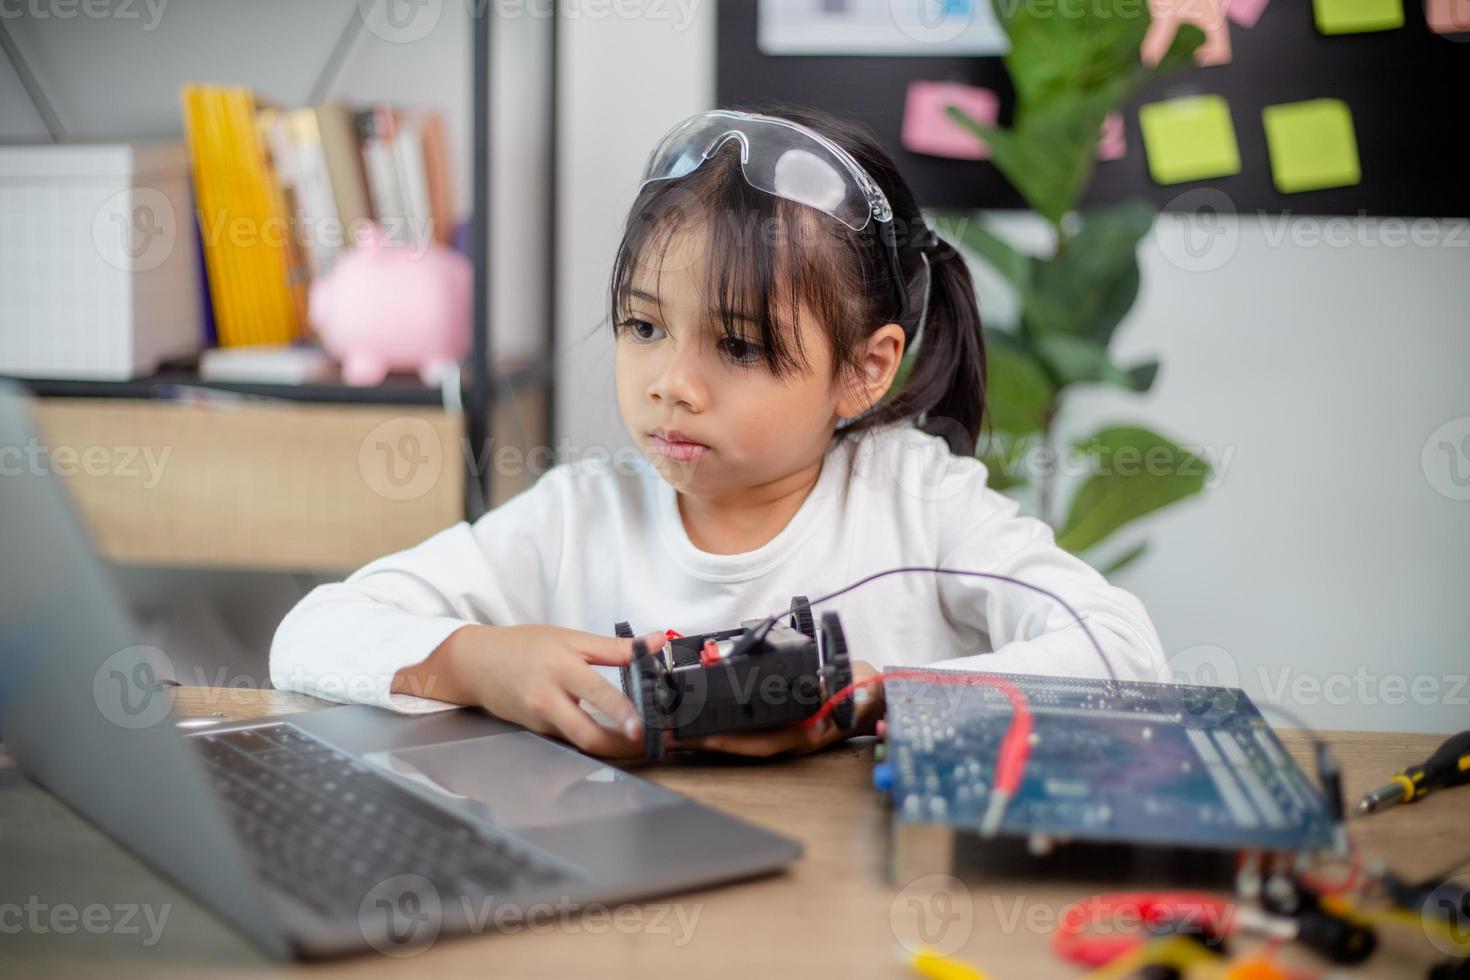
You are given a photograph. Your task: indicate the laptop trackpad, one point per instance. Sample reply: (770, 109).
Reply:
(518, 780)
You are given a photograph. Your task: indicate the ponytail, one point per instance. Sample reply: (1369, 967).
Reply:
(945, 387)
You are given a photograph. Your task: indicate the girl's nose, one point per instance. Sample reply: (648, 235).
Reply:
(679, 382)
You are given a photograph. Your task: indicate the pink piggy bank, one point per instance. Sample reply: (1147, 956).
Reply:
(387, 306)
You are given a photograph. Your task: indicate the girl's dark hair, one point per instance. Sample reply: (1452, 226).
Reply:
(841, 276)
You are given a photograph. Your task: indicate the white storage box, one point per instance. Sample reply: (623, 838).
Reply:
(99, 265)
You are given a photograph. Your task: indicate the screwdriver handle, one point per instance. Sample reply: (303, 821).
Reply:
(1448, 766)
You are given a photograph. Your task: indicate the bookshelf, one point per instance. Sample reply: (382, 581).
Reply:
(297, 512)
(170, 383)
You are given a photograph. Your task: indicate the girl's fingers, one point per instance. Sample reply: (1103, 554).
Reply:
(578, 728)
(583, 683)
(614, 651)
(793, 738)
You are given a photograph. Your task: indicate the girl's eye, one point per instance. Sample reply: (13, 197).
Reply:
(742, 352)
(640, 329)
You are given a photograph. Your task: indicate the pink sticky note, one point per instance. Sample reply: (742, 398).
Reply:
(1448, 16)
(1247, 12)
(927, 127)
(1167, 15)
(1112, 146)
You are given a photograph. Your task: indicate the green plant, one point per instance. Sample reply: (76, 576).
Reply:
(1071, 63)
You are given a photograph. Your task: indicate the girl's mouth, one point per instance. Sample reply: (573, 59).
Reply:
(682, 452)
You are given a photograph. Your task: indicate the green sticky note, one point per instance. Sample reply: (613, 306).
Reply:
(1358, 16)
(1312, 145)
(1189, 139)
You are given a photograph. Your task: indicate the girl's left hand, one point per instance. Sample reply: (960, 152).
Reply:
(799, 739)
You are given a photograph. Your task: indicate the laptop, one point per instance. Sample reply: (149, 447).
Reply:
(327, 832)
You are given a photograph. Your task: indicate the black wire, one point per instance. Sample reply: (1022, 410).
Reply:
(1327, 770)
(761, 630)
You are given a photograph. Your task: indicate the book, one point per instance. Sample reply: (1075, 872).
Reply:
(413, 180)
(436, 167)
(319, 226)
(256, 273)
(287, 364)
(337, 130)
(281, 194)
(378, 130)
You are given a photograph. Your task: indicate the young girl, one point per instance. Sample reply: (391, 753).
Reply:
(762, 312)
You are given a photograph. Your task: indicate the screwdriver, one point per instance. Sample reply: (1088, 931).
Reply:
(1448, 766)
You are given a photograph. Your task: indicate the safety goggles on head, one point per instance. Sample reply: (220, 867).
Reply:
(787, 160)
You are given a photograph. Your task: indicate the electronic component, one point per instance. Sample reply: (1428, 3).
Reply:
(1110, 762)
(765, 674)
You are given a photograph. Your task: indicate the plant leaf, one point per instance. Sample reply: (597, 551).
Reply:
(1018, 393)
(1137, 471)
(1070, 64)
(1071, 44)
(1048, 154)
(1002, 464)
(1124, 560)
(1088, 288)
(1142, 375)
(1079, 360)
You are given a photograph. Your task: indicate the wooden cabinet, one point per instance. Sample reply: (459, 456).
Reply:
(260, 485)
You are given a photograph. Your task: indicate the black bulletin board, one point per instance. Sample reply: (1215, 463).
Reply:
(1408, 90)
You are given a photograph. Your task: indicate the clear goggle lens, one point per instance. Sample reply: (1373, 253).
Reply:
(778, 157)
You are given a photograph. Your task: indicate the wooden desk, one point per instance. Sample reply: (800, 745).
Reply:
(830, 915)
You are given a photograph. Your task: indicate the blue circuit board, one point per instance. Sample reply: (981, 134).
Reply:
(1123, 762)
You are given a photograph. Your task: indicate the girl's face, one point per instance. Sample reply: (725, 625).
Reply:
(675, 371)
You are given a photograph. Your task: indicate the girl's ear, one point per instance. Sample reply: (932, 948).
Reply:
(881, 356)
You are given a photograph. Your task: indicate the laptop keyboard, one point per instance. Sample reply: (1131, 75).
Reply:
(326, 828)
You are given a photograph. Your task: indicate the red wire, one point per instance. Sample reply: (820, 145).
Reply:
(1072, 942)
(1015, 748)
(1341, 887)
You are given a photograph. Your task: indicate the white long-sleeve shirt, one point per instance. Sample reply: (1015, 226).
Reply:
(596, 542)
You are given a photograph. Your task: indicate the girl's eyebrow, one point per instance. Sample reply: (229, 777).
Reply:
(719, 311)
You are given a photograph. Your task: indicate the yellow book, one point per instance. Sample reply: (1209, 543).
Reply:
(201, 160)
(239, 224)
(256, 270)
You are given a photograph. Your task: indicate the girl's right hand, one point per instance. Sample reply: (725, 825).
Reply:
(535, 676)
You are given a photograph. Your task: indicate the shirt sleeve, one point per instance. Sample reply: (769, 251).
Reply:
(345, 641)
(1031, 632)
